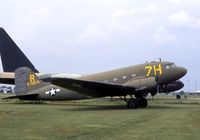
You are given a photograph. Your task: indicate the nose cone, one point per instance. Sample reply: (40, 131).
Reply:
(182, 71)
(174, 74)
(177, 73)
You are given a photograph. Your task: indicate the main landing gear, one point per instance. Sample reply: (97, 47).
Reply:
(134, 103)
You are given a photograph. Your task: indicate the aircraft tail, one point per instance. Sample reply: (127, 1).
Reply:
(26, 81)
(11, 56)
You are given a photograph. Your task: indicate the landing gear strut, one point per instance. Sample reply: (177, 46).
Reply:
(134, 103)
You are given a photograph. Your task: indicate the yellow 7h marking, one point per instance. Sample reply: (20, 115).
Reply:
(149, 70)
(156, 70)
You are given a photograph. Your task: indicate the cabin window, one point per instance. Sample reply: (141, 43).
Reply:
(133, 75)
(124, 77)
(115, 79)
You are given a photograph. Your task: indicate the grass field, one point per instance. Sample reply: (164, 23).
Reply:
(100, 119)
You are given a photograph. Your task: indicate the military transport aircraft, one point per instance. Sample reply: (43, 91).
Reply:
(134, 82)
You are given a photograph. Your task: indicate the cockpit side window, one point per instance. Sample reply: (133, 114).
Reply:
(169, 66)
(173, 65)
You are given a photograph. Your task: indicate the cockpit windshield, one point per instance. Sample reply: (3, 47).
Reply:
(169, 66)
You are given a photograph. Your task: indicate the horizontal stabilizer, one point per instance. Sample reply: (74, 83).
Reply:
(24, 97)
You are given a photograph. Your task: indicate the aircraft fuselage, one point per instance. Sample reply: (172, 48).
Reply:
(144, 77)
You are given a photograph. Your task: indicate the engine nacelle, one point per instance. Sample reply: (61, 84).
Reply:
(173, 86)
(146, 82)
(166, 88)
(149, 84)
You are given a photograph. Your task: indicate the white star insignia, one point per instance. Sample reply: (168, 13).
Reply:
(52, 92)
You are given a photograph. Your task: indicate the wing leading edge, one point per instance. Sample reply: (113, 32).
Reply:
(92, 88)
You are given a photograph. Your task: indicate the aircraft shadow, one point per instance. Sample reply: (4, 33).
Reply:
(95, 107)
(92, 107)
(163, 107)
(111, 107)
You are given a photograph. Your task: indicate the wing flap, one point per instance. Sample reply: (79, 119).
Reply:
(92, 88)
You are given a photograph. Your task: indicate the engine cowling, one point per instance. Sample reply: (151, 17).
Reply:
(166, 88)
(173, 86)
(153, 86)
(146, 82)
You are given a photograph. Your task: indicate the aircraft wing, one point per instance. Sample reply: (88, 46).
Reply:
(92, 88)
(7, 78)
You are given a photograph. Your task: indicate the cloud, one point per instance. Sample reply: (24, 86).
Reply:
(130, 12)
(175, 1)
(123, 24)
(132, 21)
(133, 16)
(198, 23)
(34, 17)
(182, 19)
(91, 34)
(185, 2)
(162, 36)
(149, 9)
(28, 23)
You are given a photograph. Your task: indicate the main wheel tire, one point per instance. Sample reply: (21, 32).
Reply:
(142, 102)
(132, 104)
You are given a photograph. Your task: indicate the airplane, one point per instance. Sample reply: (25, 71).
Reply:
(132, 84)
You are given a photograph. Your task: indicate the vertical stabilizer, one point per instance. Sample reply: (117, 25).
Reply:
(26, 80)
(11, 56)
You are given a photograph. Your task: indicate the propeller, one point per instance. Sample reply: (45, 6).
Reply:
(160, 87)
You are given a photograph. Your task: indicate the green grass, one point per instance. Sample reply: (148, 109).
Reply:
(100, 119)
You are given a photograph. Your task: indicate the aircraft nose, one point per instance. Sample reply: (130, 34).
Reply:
(177, 73)
(182, 71)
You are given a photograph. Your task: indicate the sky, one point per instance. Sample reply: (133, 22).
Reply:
(89, 36)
